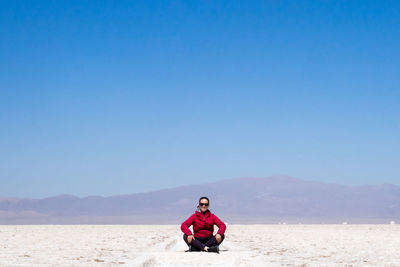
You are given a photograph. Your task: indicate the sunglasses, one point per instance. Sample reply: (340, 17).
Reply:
(203, 204)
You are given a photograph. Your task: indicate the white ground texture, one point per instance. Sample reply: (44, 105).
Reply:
(163, 245)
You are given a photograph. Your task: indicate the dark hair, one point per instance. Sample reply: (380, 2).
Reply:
(204, 198)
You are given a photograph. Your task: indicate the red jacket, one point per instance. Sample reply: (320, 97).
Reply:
(203, 224)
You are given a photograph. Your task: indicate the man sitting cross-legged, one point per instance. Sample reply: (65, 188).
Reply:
(203, 227)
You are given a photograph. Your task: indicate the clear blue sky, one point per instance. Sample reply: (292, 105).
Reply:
(116, 97)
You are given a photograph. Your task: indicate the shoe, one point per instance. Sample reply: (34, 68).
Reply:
(191, 248)
(213, 249)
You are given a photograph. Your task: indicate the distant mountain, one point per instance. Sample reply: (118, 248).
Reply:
(242, 200)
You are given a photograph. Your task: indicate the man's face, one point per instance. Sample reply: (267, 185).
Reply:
(203, 204)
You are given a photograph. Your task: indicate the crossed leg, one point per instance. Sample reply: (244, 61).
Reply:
(214, 241)
(203, 243)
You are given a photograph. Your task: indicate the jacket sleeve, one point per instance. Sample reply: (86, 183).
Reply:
(220, 224)
(186, 224)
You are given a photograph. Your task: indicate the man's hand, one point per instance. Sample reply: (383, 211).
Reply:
(190, 238)
(218, 237)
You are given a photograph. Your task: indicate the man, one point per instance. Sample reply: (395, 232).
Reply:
(203, 227)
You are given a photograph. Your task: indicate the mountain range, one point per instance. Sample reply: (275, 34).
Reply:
(276, 199)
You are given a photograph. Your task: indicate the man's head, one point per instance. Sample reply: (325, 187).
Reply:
(204, 202)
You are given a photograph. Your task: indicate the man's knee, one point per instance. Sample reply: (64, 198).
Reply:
(220, 238)
(187, 240)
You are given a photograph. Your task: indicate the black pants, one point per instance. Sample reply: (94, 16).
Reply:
(201, 242)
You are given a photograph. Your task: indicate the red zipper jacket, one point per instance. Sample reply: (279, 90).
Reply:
(203, 224)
